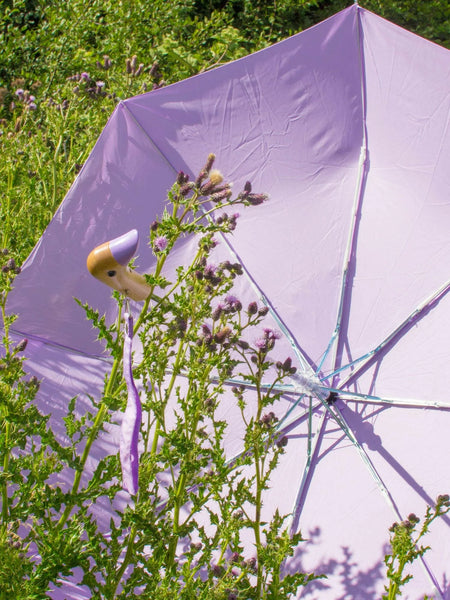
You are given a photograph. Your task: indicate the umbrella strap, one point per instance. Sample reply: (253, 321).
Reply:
(131, 423)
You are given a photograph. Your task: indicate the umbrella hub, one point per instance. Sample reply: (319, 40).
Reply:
(310, 385)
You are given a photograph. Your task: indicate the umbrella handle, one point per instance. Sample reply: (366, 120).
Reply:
(109, 264)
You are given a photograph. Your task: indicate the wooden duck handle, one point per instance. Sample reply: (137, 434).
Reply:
(109, 263)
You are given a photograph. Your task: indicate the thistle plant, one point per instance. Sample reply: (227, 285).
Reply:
(181, 532)
(406, 545)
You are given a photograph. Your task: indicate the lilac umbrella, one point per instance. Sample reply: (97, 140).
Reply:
(346, 127)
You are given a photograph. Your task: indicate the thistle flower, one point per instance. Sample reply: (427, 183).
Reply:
(222, 335)
(21, 345)
(256, 199)
(282, 442)
(186, 188)
(232, 304)
(215, 177)
(154, 70)
(217, 312)
(160, 243)
(252, 308)
(221, 196)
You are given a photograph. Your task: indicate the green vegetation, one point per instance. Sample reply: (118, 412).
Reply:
(47, 132)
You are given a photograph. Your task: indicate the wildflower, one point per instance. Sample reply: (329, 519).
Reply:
(19, 93)
(243, 344)
(154, 70)
(232, 304)
(100, 84)
(261, 343)
(186, 188)
(160, 243)
(85, 76)
(21, 345)
(31, 106)
(210, 271)
(282, 442)
(252, 308)
(217, 570)
(154, 226)
(217, 311)
(182, 178)
(222, 335)
(256, 199)
(221, 196)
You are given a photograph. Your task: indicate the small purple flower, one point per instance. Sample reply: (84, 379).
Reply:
(100, 84)
(260, 343)
(19, 93)
(210, 271)
(271, 334)
(160, 243)
(233, 304)
(31, 106)
(85, 76)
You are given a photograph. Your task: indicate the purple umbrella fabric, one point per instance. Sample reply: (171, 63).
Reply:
(346, 127)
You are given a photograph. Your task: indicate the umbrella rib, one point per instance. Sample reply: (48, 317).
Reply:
(372, 470)
(357, 202)
(349, 251)
(398, 331)
(124, 104)
(370, 399)
(311, 453)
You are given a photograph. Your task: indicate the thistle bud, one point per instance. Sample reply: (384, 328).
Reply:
(21, 345)
(252, 308)
(209, 162)
(256, 199)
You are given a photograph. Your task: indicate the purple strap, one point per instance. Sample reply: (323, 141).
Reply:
(129, 434)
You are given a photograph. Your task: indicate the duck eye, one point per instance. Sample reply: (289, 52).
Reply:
(111, 273)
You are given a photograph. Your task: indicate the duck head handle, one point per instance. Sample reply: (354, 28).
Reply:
(109, 263)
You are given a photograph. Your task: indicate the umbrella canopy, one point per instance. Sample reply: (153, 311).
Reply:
(346, 127)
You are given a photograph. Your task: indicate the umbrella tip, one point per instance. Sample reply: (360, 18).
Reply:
(332, 396)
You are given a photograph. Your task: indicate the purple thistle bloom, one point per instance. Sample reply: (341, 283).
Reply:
(271, 334)
(19, 93)
(31, 106)
(85, 76)
(260, 343)
(160, 243)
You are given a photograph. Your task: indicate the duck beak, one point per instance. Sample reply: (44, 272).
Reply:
(109, 263)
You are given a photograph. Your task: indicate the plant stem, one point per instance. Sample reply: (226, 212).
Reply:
(5, 502)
